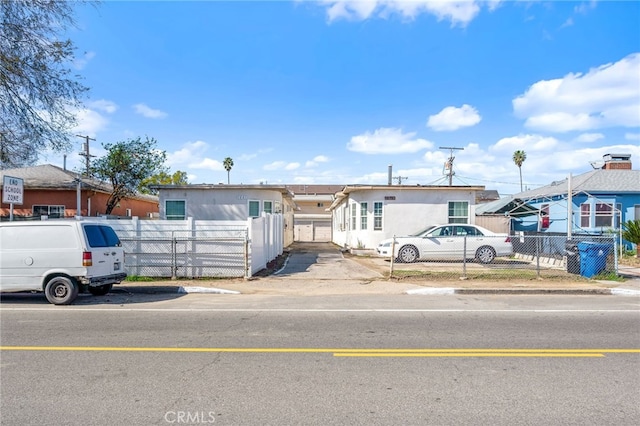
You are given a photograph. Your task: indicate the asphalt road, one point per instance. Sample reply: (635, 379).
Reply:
(381, 360)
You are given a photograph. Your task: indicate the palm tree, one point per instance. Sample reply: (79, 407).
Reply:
(631, 233)
(228, 164)
(518, 158)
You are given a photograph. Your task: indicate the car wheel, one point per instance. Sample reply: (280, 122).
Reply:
(485, 254)
(408, 254)
(100, 290)
(61, 290)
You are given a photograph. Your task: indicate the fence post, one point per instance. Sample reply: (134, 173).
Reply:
(247, 272)
(538, 255)
(464, 258)
(174, 256)
(393, 256)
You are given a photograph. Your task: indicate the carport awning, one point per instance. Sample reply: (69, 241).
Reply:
(513, 207)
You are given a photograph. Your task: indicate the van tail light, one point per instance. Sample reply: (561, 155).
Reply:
(87, 260)
(508, 239)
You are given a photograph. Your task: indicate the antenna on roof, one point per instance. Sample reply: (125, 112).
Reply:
(448, 165)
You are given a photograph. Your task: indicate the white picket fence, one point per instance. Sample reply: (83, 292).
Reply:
(199, 248)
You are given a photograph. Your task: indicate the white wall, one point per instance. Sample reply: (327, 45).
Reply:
(220, 204)
(412, 210)
(149, 245)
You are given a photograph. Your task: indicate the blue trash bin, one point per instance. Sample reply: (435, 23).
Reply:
(593, 257)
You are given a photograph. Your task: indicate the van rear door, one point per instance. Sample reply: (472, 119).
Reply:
(104, 251)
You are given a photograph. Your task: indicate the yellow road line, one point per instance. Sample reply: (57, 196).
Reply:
(383, 352)
(472, 354)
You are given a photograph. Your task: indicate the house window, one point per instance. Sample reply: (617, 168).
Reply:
(268, 206)
(254, 208)
(277, 207)
(344, 221)
(354, 218)
(604, 215)
(127, 212)
(51, 211)
(175, 209)
(377, 216)
(458, 212)
(363, 216)
(320, 204)
(585, 215)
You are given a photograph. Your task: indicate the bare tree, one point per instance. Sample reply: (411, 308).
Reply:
(38, 92)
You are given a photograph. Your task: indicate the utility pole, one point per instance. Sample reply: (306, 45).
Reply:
(400, 179)
(448, 165)
(85, 153)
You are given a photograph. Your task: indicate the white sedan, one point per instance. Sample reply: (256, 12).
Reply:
(448, 242)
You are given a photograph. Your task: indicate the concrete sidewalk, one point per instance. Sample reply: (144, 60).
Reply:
(321, 269)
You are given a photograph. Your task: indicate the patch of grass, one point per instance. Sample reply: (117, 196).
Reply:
(608, 276)
(137, 278)
(492, 275)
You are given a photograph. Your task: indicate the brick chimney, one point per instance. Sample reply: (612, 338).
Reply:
(617, 161)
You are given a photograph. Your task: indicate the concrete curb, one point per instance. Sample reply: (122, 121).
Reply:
(206, 290)
(170, 289)
(525, 291)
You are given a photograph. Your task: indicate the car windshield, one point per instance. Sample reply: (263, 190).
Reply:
(423, 232)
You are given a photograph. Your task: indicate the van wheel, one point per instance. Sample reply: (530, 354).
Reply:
(100, 290)
(61, 290)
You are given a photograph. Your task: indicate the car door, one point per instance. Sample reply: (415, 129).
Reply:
(439, 243)
(474, 240)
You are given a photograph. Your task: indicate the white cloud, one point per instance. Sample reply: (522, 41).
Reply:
(589, 137)
(318, 159)
(208, 164)
(281, 165)
(185, 155)
(81, 63)
(387, 141)
(585, 7)
(526, 143)
(292, 166)
(148, 112)
(453, 118)
(606, 96)
(632, 136)
(104, 105)
(89, 122)
(458, 12)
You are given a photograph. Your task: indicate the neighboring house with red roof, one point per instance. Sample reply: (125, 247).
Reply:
(53, 191)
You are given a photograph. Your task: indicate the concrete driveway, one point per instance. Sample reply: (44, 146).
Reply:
(322, 261)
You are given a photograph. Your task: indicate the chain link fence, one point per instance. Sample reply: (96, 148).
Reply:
(188, 254)
(533, 256)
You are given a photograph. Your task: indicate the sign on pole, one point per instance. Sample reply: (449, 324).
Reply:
(12, 190)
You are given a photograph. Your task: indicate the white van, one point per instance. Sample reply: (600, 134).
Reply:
(60, 257)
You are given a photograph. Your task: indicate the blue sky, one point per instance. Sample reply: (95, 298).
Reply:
(332, 92)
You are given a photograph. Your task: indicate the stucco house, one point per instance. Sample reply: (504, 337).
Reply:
(594, 202)
(226, 202)
(362, 216)
(312, 218)
(53, 191)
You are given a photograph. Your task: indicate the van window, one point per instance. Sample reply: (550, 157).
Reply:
(101, 236)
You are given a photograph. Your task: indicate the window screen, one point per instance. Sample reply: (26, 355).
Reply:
(175, 210)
